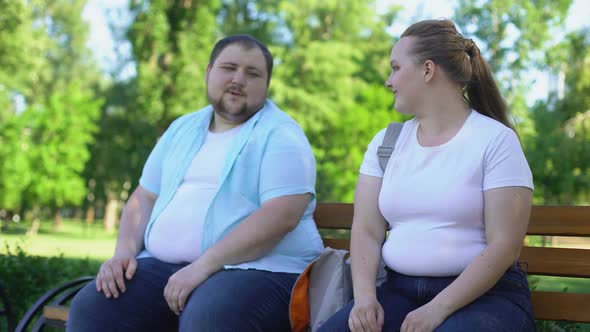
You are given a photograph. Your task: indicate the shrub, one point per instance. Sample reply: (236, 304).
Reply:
(26, 277)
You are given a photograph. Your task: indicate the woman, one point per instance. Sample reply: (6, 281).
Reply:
(456, 195)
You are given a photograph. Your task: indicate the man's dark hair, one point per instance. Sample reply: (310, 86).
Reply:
(247, 42)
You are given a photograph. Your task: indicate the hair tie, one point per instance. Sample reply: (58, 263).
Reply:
(471, 49)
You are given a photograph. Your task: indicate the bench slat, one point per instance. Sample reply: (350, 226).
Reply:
(334, 215)
(56, 312)
(541, 261)
(561, 306)
(560, 221)
(557, 261)
(545, 220)
(337, 243)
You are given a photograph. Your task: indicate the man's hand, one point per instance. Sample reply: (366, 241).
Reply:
(110, 278)
(366, 316)
(182, 283)
(424, 319)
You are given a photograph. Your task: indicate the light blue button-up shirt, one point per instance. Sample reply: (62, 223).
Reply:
(270, 157)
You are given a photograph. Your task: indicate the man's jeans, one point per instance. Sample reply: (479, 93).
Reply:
(505, 307)
(230, 300)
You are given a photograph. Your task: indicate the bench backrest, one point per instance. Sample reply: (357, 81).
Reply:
(547, 261)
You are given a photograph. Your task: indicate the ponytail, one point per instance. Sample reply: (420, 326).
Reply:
(482, 93)
(460, 58)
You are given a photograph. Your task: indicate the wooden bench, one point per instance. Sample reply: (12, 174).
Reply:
(545, 220)
(545, 261)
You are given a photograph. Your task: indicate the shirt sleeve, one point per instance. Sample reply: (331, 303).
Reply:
(370, 165)
(505, 164)
(288, 166)
(151, 176)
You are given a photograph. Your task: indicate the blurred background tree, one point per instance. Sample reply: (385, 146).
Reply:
(73, 137)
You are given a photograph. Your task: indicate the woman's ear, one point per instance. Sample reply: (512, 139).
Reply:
(429, 71)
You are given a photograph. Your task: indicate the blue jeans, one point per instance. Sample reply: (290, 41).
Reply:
(505, 307)
(230, 300)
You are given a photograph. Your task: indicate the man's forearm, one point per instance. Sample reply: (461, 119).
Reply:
(134, 219)
(258, 234)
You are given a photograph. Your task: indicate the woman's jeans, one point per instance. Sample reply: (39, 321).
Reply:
(230, 300)
(505, 307)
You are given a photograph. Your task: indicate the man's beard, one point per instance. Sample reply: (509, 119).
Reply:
(244, 113)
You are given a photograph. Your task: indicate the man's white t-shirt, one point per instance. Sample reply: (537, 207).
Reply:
(432, 197)
(177, 234)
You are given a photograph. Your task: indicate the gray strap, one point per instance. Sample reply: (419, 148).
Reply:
(386, 148)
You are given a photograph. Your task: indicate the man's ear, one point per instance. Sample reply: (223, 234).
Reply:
(429, 71)
(208, 71)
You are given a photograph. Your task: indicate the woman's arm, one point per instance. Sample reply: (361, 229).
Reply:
(506, 217)
(368, 233)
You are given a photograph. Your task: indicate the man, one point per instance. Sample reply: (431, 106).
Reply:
(220, 226)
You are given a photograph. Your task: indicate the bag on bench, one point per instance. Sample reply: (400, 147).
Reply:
(326, 284)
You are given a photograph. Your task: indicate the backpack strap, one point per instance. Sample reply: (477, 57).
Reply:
(386, 148)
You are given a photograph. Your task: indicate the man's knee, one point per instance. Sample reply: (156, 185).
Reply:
(83, 309)
(240, 301)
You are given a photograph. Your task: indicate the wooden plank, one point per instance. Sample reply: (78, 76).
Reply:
(334, 215)
(545, 220)
(337, 243)
(560, 220)
(561, 306)
(557, 261)
(56, 312)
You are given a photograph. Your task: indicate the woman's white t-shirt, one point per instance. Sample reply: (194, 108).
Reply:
(432, 197)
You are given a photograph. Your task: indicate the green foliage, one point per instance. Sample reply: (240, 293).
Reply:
(122, 145)
(45, 62)
(61, 132)
(171, 43)
(559, 152)
(27, 277)
(514, 33)
(331, 61)
(60, 42)
(551, 326)
(18, 62)
(330, 79)
(15, 167)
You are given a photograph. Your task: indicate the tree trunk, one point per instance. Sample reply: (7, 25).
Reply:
(78, 213)
(111, 212)
(57, 220)
(34, 230)
(90, 214)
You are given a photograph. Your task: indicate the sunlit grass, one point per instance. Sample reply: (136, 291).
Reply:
(74, 239)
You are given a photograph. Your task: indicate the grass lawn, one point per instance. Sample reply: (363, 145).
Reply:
(74, 239)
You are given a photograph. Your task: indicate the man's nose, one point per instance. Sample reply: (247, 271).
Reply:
(239, 77)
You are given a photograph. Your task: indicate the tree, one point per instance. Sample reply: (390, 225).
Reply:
(15, 166)
(171, 45)
(330, 78)
(513, 36)
(123, 143)
(61, 131)
(62, 45)
(171, 42)
(44, 63)
(560, 153)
